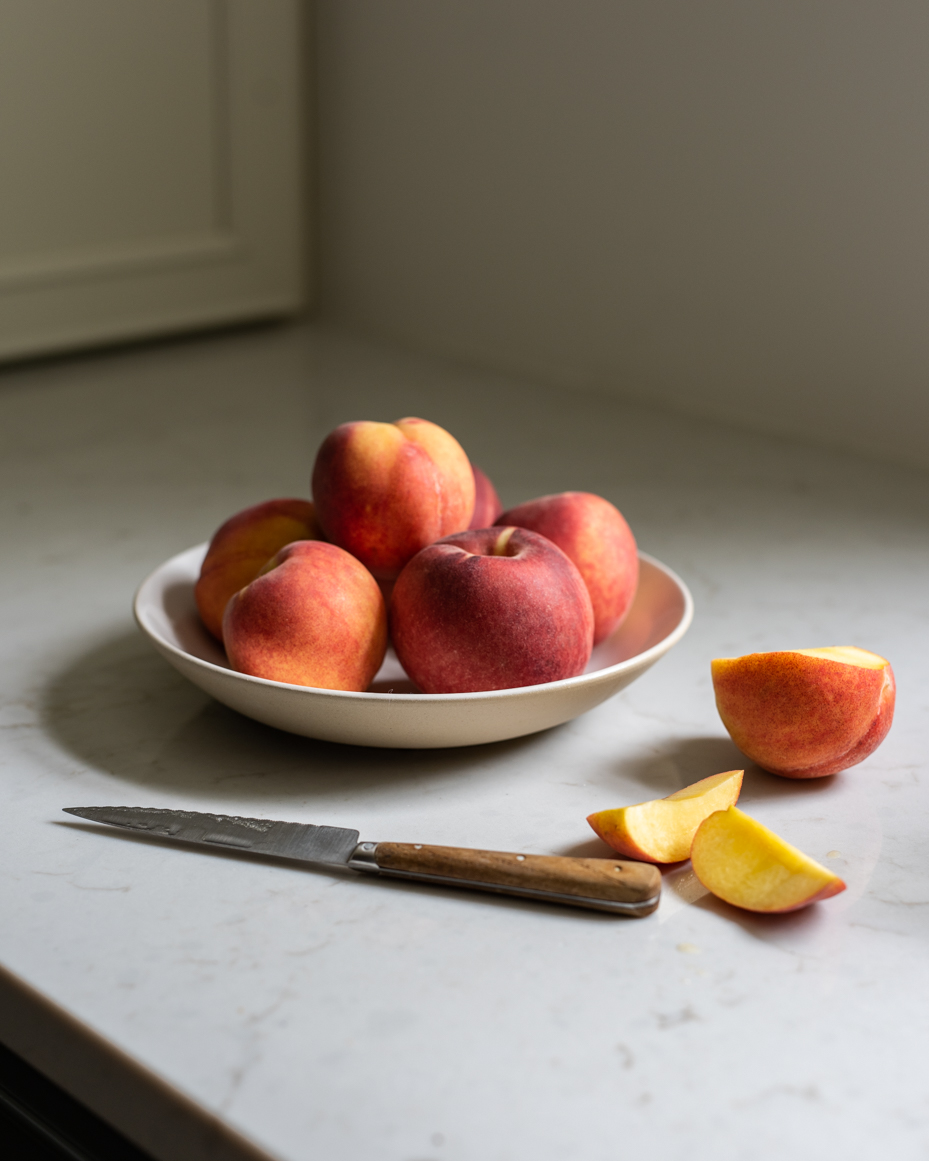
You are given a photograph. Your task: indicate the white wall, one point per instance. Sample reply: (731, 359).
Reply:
(721, 205)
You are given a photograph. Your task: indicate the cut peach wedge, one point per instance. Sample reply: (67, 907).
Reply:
(744, 863)
(662, 830)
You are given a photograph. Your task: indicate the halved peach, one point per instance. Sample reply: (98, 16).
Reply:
(805, 713)
(749, 866)
(662, 830)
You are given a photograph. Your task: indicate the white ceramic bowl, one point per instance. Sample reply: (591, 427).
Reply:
(392, 713)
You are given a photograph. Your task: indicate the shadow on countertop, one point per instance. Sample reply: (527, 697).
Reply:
(702, 755)
(121, 708)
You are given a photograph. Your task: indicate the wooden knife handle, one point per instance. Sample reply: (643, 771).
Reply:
(615, 885)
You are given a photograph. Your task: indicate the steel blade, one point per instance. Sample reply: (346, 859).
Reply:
(261, 836)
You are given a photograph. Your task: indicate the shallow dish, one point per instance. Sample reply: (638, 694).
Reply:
(392, 713)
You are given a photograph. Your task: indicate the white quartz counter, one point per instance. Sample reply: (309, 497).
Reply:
(205, 1001)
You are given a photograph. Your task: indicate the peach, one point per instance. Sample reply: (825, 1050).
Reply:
(315, 616)
(594, 535)
(242, 545)
(487, 506)
(661, 831)
(383, 491)
(493, 608)
(749, 866)
(806, 713)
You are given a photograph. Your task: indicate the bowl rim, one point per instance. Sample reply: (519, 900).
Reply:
(581, 680)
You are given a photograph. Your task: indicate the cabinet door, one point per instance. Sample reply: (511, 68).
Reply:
(152, 169)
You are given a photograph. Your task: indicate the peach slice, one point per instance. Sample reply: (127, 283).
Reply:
(662, 830)
(749, 866)
(806, 713)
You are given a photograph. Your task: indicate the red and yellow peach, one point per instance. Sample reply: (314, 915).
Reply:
(240, 548)
(487, 506)
(490, 609)
(594, 535)
(806, 713)
(383, 491)
(315, 616)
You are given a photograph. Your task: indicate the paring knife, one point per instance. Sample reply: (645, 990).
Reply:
(614, 885)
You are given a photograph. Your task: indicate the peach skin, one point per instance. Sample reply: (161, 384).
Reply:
(806, 713)
(314, 616)
(594, 535)
(383, 491)
(661, 831)
(493, 608)
(749, 866)
(242, 546)
(487, 506)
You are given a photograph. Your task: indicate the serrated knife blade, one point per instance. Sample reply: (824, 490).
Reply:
(260, 836)
(613, 885)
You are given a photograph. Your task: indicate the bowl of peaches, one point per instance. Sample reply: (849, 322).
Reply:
(401, 606)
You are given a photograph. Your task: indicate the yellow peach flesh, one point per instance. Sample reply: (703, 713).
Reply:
(662, 829)
(744, 863)
(849, 654)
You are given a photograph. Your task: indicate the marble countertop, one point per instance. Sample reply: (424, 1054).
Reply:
(213, 1006)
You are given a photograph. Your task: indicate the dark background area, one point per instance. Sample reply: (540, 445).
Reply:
(40, 1122)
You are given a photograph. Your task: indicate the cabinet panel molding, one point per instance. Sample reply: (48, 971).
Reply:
(155, 167)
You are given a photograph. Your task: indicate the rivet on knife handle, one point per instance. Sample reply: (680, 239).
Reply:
(617, 885)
